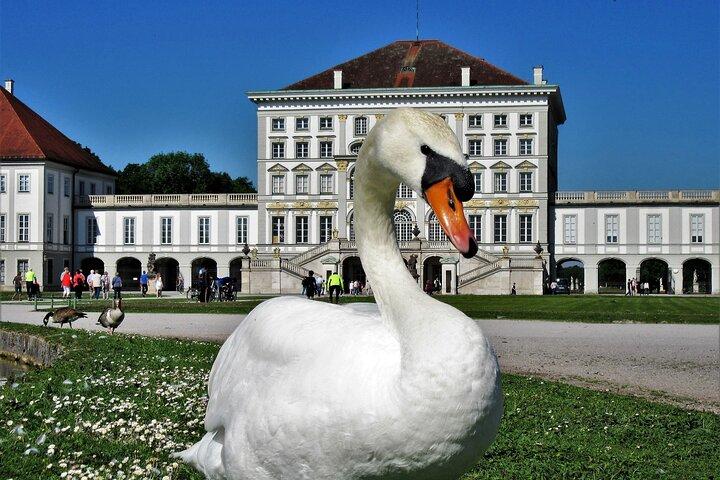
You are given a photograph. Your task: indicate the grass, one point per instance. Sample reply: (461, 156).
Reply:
(117, 406)
(577, 308)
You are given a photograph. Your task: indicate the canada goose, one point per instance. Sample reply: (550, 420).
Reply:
(63, 315)
(111, 318)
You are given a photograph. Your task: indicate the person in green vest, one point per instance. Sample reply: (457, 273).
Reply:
(30, 278)
(335, 284)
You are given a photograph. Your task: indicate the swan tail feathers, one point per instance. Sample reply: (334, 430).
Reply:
(206, 456)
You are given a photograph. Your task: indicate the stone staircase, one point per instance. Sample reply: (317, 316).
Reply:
(482, 271)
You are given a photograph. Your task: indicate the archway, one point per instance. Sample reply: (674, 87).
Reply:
(352, 270)
(129, 269)
(656, 273)
(696, 276)
(236, 272)
(611, 276)
(573, 271)
(432, 269)
(168, 267)
(203, 262)
(92, 263)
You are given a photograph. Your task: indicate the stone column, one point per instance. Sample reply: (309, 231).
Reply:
(245, 276)
(459, 130)
(186, 271)
(714, 278)
(342, 140)
(449, 276)
(342, 166)
(591, 278)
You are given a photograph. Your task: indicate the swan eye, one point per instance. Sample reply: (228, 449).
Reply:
(425, 150)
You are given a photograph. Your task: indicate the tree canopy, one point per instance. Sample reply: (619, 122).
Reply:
(178, 172)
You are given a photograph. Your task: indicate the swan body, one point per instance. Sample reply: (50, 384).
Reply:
(405, 389)
(63, 315)
(111, 318)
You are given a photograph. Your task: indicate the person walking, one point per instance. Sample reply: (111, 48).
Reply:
(66, 282)
(159, 285)
(429, 287)
(180, 282)
(117, 286)
(437, 285)
(309, 283)
(144, 283)
(17, 282)
(96, 285)
(29, 282)
(629, 288)
(513, 291)
(88, 281)
(105, 282)
(78, 283)
(335, 285)
(319, 286)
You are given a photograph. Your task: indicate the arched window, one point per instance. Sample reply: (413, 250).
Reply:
(435, 231)
(403, 225)
(351, 184)
(351, 227)
(404, 191)
(361, 126)
(355, 148)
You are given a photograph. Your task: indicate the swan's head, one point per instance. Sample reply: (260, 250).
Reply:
(421, 150)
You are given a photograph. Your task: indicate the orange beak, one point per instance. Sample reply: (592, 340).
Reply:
(449, 212)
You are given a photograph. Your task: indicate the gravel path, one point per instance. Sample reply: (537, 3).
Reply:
(679, 364)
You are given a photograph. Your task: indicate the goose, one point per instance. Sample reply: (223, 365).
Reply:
(406, 389)
(63, 315)
(111, 318)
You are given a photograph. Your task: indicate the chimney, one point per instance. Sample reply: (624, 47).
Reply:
(337, 83)
(9, 85)
(465, 76)
(538, 75)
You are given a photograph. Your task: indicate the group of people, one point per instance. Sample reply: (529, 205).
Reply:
(315, 286)
(634, 287)
(159, 285)
(432, 286)
(99, 284)
(31, 284)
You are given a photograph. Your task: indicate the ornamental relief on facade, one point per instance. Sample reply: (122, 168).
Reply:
(499, 202)
(342, 165)
(527, 202)
(326, 205)
(276, 206)
(475, 203)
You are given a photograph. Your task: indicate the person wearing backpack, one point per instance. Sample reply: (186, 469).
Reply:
(309, 284)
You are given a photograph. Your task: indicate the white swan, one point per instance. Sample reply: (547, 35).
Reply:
(410, 390)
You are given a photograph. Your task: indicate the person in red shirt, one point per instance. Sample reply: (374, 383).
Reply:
(78, 283)
(66, 282)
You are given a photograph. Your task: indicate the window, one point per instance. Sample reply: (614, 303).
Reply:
(526, 146)
(654, 229)
(404, 191)
(301, 230)
(326, 183)
(23, 220)
(278, 124)
(500, 233)
(278, 229)
(526, 119)
(477, 177)
(500, 147)
(129, 230)
(475, 147)
(49, 228)
(22, 266)
(302, 184)
(278, 150)
(361, 126)
(500, 120)
(81, 188)
(108, 189)
(501, 182)
(475, 121)
(326, 149)
(166, 230)
(476, 227)
(91, 229)
(203, 230)
(326, 123)
(355, 148)
(612, 229)
(66, 230)
(570, 229)
(435, 231)
(3, 228)
(403, 225)
(302, 150)
(3, 184)
(526, 228)
(23, 183)
(525, 182)
(51, 184)
(241, 230)
(325, 228)
(697, 228)
(302, 124)
(351, 227)
(2, 272)
(278, 184)
(93, 189)
(66, 186)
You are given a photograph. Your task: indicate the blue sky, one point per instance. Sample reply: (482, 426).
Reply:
(130, 79)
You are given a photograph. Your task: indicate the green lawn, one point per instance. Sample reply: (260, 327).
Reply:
(580, 308)
(123, 403)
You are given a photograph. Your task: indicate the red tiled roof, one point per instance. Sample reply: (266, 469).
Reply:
(407, 63)
(25, 135)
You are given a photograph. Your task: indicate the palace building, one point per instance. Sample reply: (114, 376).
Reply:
(57, 205)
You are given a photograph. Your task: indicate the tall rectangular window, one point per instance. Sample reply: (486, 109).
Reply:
(203, 230)
(526, 228)
(22, 266)
(302, 150)
(326, 123)
(500, 182)
(361, 126)
(278, 150)
(525, 182)
(166, 230)
(2, 272)
(475, 147)
(278, 229)
(23, 220)
(49, 228)
(325, 228)
(81, 188)
(526, 119)
(477, 177)
(23, 183)
(500, 147)
(570, 229)
(278, 184)
(91, 229)
(475, 121)
(108, 189)
(476, 227)
(654, 229)
(612, 229)
(129, 230)
(241, 230)
(66, 186)
(302, 184)
(500, 231)
(278, 124)
(526, 146)
(301, 230)
(697, 228)
(3, 228)
(326, 183)
(326, 149)
(3, 184)
(51, 184)
(500, 120)
(302, 124)
(66, 230)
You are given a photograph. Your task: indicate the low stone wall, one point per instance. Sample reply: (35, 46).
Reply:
(28, 348)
